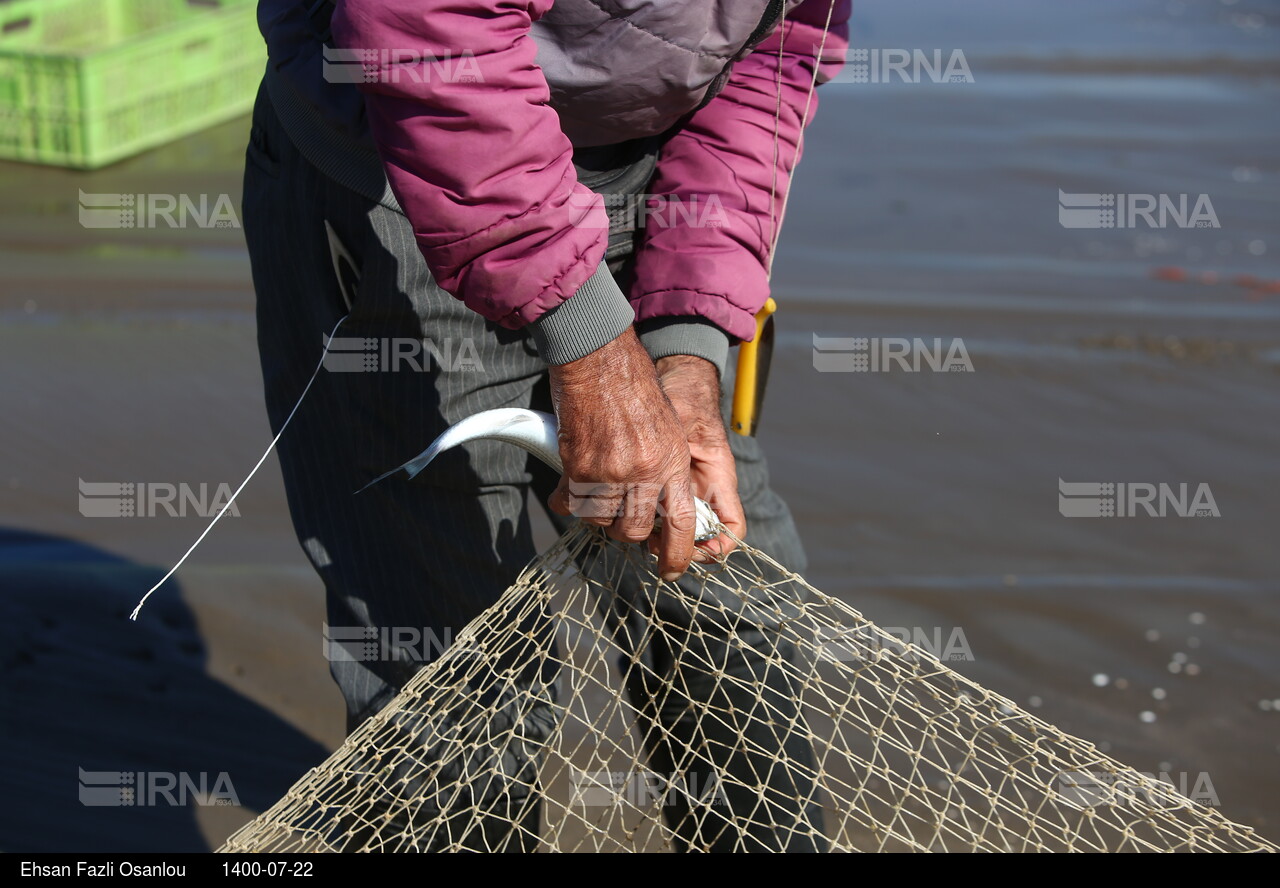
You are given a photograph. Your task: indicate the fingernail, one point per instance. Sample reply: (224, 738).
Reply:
(670, 577)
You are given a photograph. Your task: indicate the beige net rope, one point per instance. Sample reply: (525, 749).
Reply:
(595, 708)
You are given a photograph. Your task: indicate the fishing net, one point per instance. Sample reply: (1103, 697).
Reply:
(596, 708)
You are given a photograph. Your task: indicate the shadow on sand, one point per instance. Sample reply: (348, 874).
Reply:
(83, 688)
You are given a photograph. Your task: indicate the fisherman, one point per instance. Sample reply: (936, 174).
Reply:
(423, 173)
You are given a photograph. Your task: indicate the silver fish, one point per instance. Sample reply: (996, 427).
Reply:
(529, 430)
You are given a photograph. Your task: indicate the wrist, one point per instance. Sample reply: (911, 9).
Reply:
(691, 364)
(615, 366)
(693, 386)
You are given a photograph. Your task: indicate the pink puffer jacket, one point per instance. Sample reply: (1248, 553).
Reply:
(483, 169)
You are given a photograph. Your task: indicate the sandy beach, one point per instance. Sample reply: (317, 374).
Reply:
(926, 499)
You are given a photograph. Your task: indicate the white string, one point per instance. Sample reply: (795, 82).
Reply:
(776, 221)
(249, 477)
(777, 123)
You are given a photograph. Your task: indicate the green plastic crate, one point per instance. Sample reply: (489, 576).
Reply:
(84, 83)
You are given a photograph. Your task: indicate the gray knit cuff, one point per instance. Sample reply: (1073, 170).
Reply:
(594, 316)
(663, 337)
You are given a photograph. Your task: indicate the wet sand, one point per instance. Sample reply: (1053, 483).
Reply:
(926, 499)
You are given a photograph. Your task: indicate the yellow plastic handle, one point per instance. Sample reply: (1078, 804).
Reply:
(742, 419)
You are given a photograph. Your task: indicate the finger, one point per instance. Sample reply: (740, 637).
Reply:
(634, 523)
(717, 484)
(558, 502)
(594, 503)
(714, 549)
(722, 496)
(675, 549)
(704, 551)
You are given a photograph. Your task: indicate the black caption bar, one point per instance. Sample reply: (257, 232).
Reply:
(43, 867)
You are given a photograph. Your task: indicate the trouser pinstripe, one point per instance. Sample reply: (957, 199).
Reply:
(434, 552)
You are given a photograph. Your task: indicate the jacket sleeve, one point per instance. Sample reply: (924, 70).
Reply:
(707, 263)
(476, 157)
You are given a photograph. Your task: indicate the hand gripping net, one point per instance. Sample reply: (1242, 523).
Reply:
(595, 708)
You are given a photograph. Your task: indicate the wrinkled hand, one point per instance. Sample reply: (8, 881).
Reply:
(693, 387)
(625, 451)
